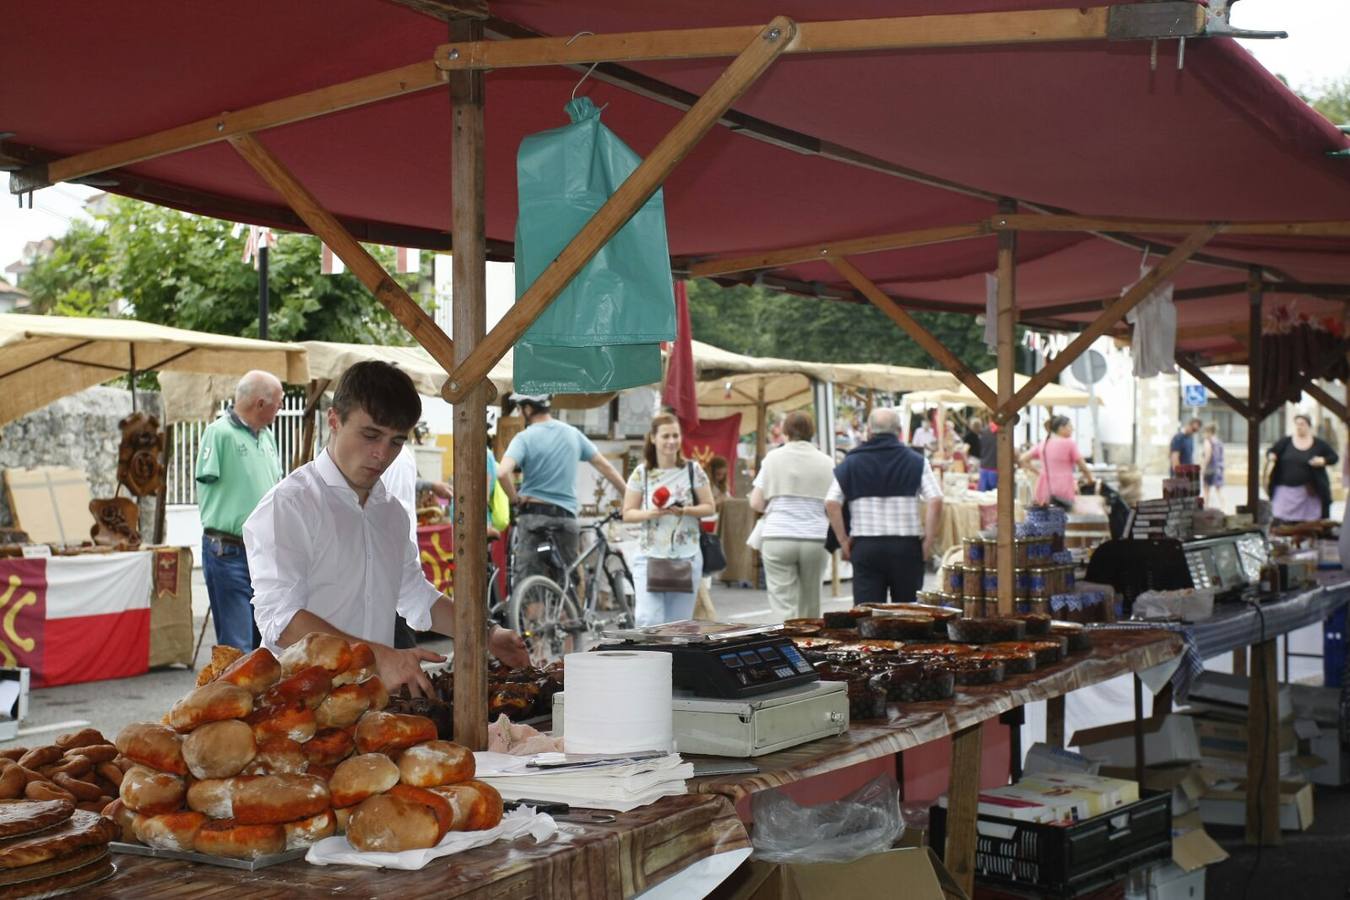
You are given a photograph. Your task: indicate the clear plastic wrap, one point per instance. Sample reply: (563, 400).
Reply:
(865, 822)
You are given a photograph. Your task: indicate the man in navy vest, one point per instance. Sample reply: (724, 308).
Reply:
(874, 509)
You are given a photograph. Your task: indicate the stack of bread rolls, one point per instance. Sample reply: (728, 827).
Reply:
(241, 766)
(82, 768)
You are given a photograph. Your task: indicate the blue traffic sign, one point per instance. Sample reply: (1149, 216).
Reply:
(1195, 394)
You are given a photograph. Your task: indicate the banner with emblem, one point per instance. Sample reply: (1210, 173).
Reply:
(713, 437)
(76, 618)
(436, 550)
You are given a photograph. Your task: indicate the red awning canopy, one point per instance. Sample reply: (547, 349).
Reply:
(1088, 128)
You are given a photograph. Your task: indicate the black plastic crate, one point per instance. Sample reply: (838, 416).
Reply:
(1068, 860)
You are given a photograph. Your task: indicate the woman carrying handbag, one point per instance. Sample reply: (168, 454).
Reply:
(1058, 455)
(666, 495)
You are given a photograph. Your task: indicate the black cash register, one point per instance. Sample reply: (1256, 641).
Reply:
(1229, 563)
(712, 659)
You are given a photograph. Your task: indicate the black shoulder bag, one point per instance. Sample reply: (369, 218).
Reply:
(709, 544)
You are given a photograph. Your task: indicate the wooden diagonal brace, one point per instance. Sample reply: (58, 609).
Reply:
(1337, 407)
(380, 86)
(364, 266)
(1035, 222)
(922, 336)
(772, 259)
(1190, 366)
(644, 181)
(1109, 317)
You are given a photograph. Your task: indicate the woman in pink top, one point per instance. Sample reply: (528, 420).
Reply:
(1058, 455)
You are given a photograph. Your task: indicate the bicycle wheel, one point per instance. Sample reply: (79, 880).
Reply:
(545, 618)
(616, 601)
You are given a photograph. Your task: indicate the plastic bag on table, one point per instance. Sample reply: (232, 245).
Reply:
(865, 822)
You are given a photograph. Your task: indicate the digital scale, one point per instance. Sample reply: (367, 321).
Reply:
(1229, 563)
(738, 690)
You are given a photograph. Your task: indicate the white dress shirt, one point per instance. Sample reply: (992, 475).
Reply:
(400, 480)
(312, 546)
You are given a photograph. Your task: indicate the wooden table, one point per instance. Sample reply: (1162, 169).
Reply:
(1114, 653)
(643, 848)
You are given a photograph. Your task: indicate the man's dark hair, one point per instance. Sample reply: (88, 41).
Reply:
(384, 391)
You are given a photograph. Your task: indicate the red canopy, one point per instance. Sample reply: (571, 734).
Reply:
(1085, 127)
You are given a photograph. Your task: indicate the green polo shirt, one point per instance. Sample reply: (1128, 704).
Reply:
(235, 468)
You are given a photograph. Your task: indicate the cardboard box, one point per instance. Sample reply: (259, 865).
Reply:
(918, 870)
(1226, 804)
(1227, 768)
(1171, 740)
(1221, 692)
(1185, 781)
(1225, 737)
(1193, 851)
(1323, 760)
(1321, 704)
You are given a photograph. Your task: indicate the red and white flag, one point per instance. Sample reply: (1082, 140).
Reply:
(330, 263)
(78, 618)
(408, 259)
(256, 235)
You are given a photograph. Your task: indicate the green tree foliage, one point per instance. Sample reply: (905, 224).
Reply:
(1332, 99)
(761, 322)
(186, 271)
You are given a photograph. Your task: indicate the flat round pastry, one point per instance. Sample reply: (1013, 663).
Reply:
(68, 882)
(26, 816)
(82, 829)
(82, 857)
(814, 643)
(874, 646)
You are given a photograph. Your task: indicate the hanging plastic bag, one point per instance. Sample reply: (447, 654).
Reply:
(603, 331)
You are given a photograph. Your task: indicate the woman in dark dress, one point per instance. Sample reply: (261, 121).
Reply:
(1296, 473)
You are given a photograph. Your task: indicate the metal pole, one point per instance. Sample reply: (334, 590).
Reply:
(264, 300)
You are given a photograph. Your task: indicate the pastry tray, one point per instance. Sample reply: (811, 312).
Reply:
(250, 865)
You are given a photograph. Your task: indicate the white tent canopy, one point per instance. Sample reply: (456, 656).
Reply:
(1050, 395)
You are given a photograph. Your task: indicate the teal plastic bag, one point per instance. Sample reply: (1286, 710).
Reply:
(603, 331)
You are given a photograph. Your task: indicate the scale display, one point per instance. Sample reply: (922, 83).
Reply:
(725, 661)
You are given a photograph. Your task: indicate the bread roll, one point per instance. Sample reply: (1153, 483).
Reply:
(150, 793)
(45, 790)
(12, 783)
(360, 668)
(294, 721)
(376, 691)
(341, 816)
(110, 773)
(95, 753)
(439, 806)
(307, 832)
(80, 739)
(382, 732)
(360, 777)
(343, 706)
(327, 651)
(83, 790)
(329, 747)
(124, 817)
(387, 824)
(325, 773)
(308, 686)
(255, 672)
(278, 756)
(210, 703)
(41, 756)
(237, 840)
(153, 745)
(219, 749)
(259, 799)
(435, 762)
(170, 831)
(222, 657)
(476, 805)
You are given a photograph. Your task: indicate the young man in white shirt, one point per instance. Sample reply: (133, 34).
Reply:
(330, 544)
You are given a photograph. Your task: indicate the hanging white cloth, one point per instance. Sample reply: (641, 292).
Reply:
(1155, 329)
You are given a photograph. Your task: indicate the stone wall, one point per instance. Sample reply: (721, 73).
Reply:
(79, 431)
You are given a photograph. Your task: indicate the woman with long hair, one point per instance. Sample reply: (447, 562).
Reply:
(666, 495)
(1058, 455)
(1296, 474)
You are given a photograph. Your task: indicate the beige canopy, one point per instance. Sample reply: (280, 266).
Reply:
(1050, 395)
(45, 358)
(730, 383)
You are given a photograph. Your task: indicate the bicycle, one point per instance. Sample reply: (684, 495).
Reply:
(553, 618)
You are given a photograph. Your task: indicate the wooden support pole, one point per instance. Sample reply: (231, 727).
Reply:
(162, 495)
(469, 280)
(334, 98)
(1109, 317)
(1004, 451)
(1189, 365)
(896, 33)
(1263, 761)
(1054, 722)
(963, 794)
(305, 452)
(922, 336)
(1336, 407)
(761, 427)
(364, 266)
(1255, 298)
(1035, 222)
(774, 259)
(754, 59)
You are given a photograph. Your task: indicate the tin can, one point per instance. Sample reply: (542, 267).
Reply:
(974, 583)
(952, 600)
(1021, 583)
(1039, 606)
(1021, 552)
(1038, 582)
(1022, 607)
(974, 551)
(972, 607)
(990, 582)
(953, 579)
(991, 553)
(1040, 551)
(1070, 579)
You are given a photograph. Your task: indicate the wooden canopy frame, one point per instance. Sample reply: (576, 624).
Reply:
(459, 65)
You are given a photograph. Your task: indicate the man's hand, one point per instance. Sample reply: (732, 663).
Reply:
(927, 549)
(846, 549)
(399, 667)
(441, 489)
(508, 646)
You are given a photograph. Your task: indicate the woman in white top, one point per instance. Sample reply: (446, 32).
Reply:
(790, 490)
(666, 494)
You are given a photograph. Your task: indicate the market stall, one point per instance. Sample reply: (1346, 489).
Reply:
(787, 179)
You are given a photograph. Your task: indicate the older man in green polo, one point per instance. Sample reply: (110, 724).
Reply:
(236, 466)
